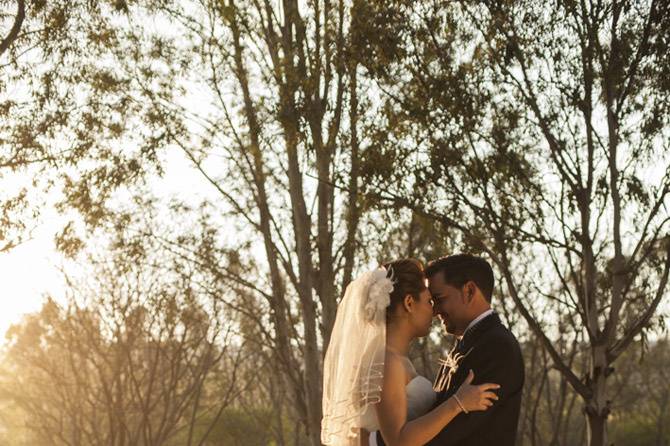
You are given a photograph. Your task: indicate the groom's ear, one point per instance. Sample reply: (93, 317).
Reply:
(469, 291)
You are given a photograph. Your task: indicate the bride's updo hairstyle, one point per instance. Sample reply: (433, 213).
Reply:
(408, 277)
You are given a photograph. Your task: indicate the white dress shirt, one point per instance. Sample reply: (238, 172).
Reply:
(476, 320)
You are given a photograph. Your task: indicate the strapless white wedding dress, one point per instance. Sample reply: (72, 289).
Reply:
(420, 399)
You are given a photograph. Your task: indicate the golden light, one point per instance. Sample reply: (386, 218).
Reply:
(28, 272)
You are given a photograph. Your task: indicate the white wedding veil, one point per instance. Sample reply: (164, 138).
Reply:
(353, 368)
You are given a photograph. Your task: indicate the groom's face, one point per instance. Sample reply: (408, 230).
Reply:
(449, 305)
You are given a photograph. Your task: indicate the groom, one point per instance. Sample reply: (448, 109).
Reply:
(462, 287)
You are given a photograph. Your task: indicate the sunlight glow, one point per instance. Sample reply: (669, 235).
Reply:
(29, 272)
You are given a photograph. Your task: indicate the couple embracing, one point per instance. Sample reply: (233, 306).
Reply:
(372, 395)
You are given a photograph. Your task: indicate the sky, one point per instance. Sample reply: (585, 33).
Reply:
(28, 272)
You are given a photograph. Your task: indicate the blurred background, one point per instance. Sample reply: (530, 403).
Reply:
(187, 187)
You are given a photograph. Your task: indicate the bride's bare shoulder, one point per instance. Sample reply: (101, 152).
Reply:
(393, 356)
(394, 367)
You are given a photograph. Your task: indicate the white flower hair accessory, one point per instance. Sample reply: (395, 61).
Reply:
(379, 294)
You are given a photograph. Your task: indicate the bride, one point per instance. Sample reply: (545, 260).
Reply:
(369, 382)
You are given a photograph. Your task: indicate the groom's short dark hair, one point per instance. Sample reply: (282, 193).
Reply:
(459, 269)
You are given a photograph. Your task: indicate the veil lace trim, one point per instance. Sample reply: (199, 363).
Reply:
(353, 368)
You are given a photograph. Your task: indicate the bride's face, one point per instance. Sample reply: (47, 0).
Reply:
(423, 314)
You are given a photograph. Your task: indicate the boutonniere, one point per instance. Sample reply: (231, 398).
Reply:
(448, 367)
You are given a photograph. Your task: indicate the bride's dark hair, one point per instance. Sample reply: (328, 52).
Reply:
(409, 278)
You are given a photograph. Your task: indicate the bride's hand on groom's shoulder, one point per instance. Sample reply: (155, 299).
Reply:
(475, 397)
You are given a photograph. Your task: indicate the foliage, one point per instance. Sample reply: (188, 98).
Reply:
(532, 134)
(331, 136)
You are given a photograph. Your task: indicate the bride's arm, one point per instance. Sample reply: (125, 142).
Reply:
(392, 409)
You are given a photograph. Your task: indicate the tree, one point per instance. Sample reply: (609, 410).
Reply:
(17, 23)
(282, 110)
(540, 137)
(641, 404)
(134, 357)
(102, 118)
(60, 105)
(548, 414)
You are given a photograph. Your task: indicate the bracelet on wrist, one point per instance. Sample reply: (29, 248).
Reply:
(458, 401)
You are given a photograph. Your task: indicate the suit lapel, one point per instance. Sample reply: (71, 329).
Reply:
(449, 366)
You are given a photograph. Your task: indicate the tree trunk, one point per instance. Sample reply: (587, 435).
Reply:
(597, 435)
(353, 212)
(597, 407)
(302, 226)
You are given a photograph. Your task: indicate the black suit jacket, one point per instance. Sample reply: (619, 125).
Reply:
(494, 355)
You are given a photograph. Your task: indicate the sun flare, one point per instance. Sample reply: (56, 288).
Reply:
(29, 272)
